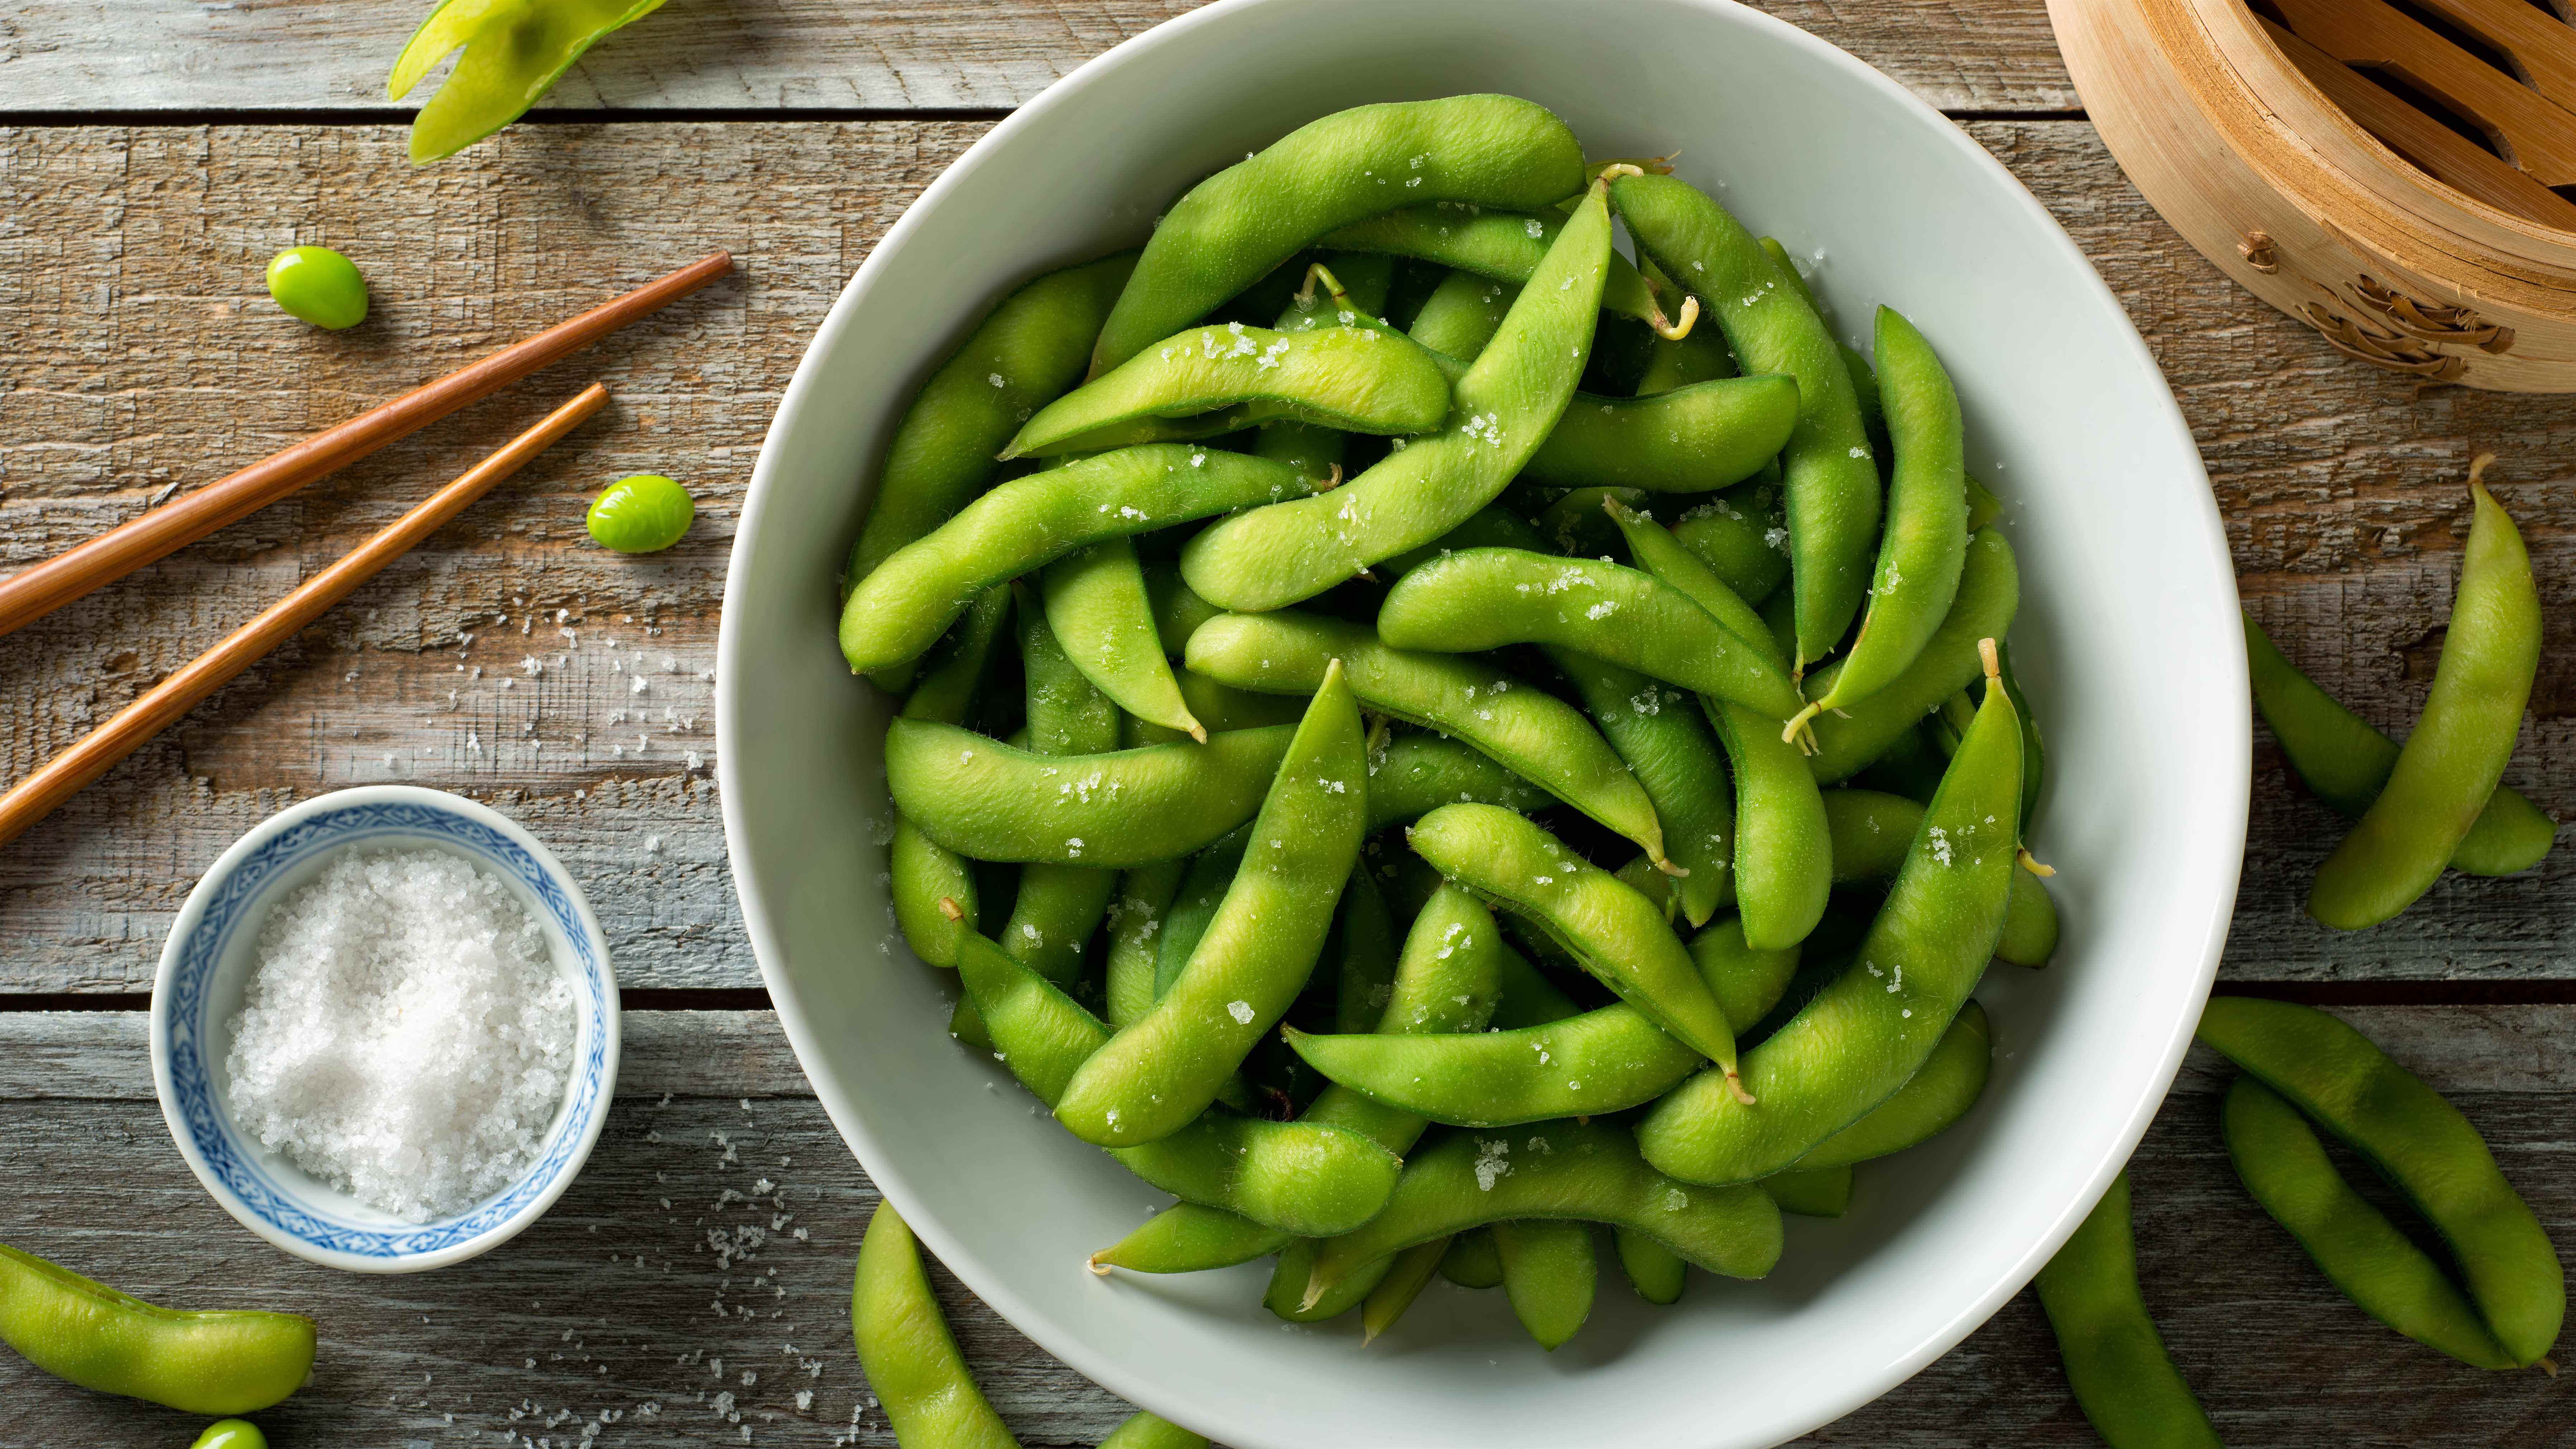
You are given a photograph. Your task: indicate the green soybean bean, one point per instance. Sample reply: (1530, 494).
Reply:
(230, 1434)
(1692, 439)
(1144, 1431)
(1872, 832)
(1407, 1274)
(1537, 736)
(895, 611)
(1811, 1192)
(906, 1350)
(1655, 1271)
(1498, 247)
(1830, 479)
(1097, 605)
(1232, 228)
(1665, 740)
(224, 1362)
(1743, 536)
(1926, 540)
(1412, 775)
(1032, 347)
(1550, 1273)
(1501, 410)
(1221, 379)
(1136, 917)
(1485, 598)
(984, 799)
(1164, 1068)
(1863, 1037)
(1989, 592)
(1616, 934)
(1463, 313)
(2420, 1143)
(2454, 758)
(2346, 763)
(2117, 1365)
(641, 513)
(1472, 1260)
(318, 285)
(1936, 1096)
(1189, 1237)
(2285, 1168)
(1585, 1172)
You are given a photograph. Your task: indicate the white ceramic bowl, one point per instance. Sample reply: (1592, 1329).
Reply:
(2127, 639)
(205, 970)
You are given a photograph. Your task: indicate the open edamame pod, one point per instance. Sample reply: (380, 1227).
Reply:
(1220, 379)
(1496, 247)
(1864, 1036)
(986, 800)
(1693, 439)
(1665, 740)
(2123, 1379)
(906, 1350)
(2345, 762)
(1163, 1069)
(2454, 758)
(1550, 1273)
(1537, 736)
(1102, 617)
(84, 1332)
(1831, 479)
(2420, 1143)
(1234, 227)
(1849, 739)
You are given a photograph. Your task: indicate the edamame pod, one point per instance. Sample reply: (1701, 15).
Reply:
(1819, 1192)
(1616, 934)
(1500, 412)
(1462, 315)
(1549, 1273)
(1742, 535)
(1211, 875)
(1058, 906)
(2123, 1379)
(226, 1362)
(1407, 1274)
(1177, 611)
(1492, 526)
(1485, 598)
(984, 799)
(1655, 1271)
(1136, 918)
(1871, 833)
(920, 873)
(1471, 1260)
(906, 1350)
(1144, 1431)
(1575, 526)
(897, 609)
(1935, 1097)
(1692, 439)
(1190, 1237)
(1353, 293)
(1412, 775)
(1097, 606)
(1665, 740)
(1217, 707)
(1221, 379)
(2420, 1143)
(1847, 740)
(1231, 229)
(1163, 1069)
(1537, 736)
(1830, 478)
(2285, 1168)
(1585, 1172)
(1783, 848)
(2345, 762)
(1494, 246)
(1864, 1036)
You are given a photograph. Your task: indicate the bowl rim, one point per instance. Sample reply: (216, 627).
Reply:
(2233, 772)
(591, 1092)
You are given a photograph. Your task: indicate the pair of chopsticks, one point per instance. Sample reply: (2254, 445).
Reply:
(45, 587)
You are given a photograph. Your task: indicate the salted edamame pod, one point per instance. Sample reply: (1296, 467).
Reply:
(1692, 439)
(1412, 775)
(2123, 1379)
(1661, 734)
(1495, 247)
(1059, 904)
(1935, 1097)
(84, 1332)
(1136, 916)
(1103, 618)
(984, 799)
(1871, 832)
(1848, 740)
(905, 1348)
(1550, 1272)
(1462, 315)
(920, 873)
(1742, 535)
(1220, 379)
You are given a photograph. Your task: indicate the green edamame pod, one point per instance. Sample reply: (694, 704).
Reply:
(1616, 934)
(1412, 775)
(1863, 1037)
(1097, 605)
(1847, 740)
(2420, 1143)
(1231, 229)
(2346, 763)
(898, 608)
(1692, 439)
(1462, 315)
(1485, 598)
(2454, 758)
(1221, 379)
(1831, 481)
(1161, 1070)
(1503, 408)
(1217, 707)
(1136, 917)
(1529, 998)
(1190, 1237)
(920, 873)
(1537, 736)
(1492, 526)
(2034, 750)
(1655, 1271)
(2123, 1379)
(1497, 247)
(1549, 1273)
(1575, 526)
(1211, 875)
(1144, 1431)
(906, 1350)
(1871, 833)
(1369, 956)
(984, 799)
(1666, 743)
(1345, 289)
(1783, 848)
(1472, 1261)
(1743, 536)
(1935, 1097)
(1407, 1274)
(221, 1362)
(1926, 541)
(1811, 1192)
(1177, 611)
(1058, 906)
(1983, 506)
(2285, 1167)
(1584, 1172)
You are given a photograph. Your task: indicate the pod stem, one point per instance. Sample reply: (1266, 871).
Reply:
(2033, 864)
(1672, 331)
(1798, 722)
(1198, 731)
(1095, 1265)
(948, 907)
(1318, 272)
(1987, 656)
(1735, 1085)
(1670, 869)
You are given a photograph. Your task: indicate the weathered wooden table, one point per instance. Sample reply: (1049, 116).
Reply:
(691, 1287)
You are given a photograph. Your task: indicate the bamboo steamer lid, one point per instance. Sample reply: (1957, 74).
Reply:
(2454, 280)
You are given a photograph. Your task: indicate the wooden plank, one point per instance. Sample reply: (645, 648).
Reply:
(791, 55)
(136, 351)
(614, 1302)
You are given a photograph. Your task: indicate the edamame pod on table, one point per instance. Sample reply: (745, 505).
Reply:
(1220, 379)
(1693, 439)
(2345, 762)
(2418, 1142)
(513, 55)
(1164, 1068)
(984, 799)
(1234, 227)
(899, 608)
(1831, 480)
(1549, 1273)
(2123, 1379)
(2453, 760)
(1849, 739)
(215, 1362)
(1660, 732)
(1500, 411)
(1864, 1036)
(1144, 1431)
(1537, 736)
(1102, 617)
(906, 1350)
(1497, 247)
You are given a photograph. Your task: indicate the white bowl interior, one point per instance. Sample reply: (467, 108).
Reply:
(2127, 640)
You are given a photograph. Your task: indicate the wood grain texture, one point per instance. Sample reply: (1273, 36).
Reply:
(789, 55)
(136, 350)
(614, 1301)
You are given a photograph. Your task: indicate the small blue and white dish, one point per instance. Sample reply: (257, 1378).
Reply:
(206, 968)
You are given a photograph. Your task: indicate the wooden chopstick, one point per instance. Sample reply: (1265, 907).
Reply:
(34, 592)
(162, 704)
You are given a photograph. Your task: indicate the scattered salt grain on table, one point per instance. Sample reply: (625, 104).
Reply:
(406, 1036)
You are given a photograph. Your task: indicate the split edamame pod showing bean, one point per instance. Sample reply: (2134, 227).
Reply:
(1221, 379)
(986, 800)
(1693, 439)
(2123, 1379)
(84, 1332)
(905, 1348)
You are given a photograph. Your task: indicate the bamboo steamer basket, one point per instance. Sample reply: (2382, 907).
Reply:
(2283, 189)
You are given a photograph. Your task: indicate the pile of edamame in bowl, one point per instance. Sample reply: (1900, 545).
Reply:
(1380, 665)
